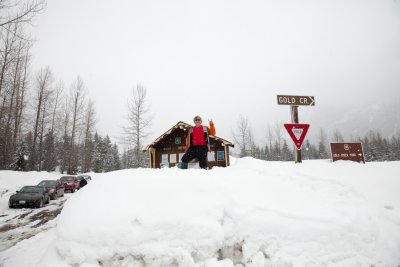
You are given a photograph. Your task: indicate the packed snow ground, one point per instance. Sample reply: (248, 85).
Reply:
(20, 224)
(254, 213)
(11, 181)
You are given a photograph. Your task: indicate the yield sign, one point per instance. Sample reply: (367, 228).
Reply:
(297, 132)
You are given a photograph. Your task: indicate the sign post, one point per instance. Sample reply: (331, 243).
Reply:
(295, 102)
(295, 119)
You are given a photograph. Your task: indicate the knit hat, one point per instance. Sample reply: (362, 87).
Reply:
(197, 118)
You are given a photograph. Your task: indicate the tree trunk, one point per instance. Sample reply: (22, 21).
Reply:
(14, 91)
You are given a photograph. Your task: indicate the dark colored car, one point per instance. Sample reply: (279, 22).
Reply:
(82, 180)
(54, 188)
(29, 196)
(70, 182)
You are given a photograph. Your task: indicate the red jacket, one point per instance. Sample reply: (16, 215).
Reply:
(209, 131)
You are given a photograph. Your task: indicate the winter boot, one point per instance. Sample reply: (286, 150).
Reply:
(182, 165)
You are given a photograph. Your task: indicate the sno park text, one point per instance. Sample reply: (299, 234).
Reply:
(253, 213)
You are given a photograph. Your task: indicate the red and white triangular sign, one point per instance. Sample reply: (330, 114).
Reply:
(297, 132)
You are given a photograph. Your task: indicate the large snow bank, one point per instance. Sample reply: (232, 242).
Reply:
(254, 213)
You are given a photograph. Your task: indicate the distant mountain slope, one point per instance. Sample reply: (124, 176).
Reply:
(359, 121)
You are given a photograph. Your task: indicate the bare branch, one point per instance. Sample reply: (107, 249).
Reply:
(25, 12)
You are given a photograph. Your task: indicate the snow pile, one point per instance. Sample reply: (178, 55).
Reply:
(254, 213)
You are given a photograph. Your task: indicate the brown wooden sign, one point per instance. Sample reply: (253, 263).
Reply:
(294, 100)
(347, 151)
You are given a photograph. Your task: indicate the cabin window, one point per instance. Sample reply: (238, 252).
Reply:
(178, 140)
(220, 155)
(211, 156)
(164, 159)
(172, 158)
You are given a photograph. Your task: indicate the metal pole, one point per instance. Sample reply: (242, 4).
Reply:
(295, 119)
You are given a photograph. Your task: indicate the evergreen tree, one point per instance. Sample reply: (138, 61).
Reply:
(314, 152)
(309, 151)
(19, 163)
(105, 156)
(377, 150)
(322, 149)
(385, 150)
(28, 143)
(394, 151)
(64, 152)
(268, 152)
(116, 158)
(88, 151)
(49, 158)
(125, 159)
(276, 152)
(337, 136)
(108, 156)
(97, 154)
(369, 150)
(263, 153)
(286, 153)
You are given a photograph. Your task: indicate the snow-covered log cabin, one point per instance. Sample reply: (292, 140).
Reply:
(168, 149)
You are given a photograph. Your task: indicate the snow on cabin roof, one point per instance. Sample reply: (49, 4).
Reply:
(184, 126)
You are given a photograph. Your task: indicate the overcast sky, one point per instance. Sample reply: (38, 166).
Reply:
(222, 59)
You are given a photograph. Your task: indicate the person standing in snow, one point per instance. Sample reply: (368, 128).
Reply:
(198, 143)
(82, 183)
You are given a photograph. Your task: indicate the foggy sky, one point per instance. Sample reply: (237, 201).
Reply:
(222, 59)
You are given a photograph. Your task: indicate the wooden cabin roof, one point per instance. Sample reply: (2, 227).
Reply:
(184, 126)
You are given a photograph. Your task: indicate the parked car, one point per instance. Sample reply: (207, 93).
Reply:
(82, 180)
(70, 182)
(54, 188)
(29, 196)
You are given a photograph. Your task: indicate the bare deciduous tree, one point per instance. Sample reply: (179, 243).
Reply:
(279, 132)
(58, 90)
(47, 156)
(337, 136)
(139, 121)
(20, 101)
(44, 80)
(14, 60)
(322, 145)
(77, 100)
(90, 121)
(13, 84)
(64, 148)
(243, 136)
